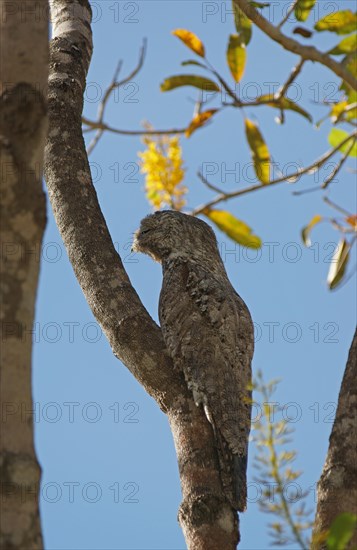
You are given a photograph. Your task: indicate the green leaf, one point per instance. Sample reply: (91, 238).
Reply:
(336, 272)
(303, 9)
(347, 45)
(340, 22)
(236, 229)
(341, 531)
(189, 80)
(190, 40)
(305, 233)
(285, 104)
(260, 151)
(337, 136)
(242, 23)
(193, 62)
(236, 56)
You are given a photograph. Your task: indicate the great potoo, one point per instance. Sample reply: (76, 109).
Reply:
(208, 332)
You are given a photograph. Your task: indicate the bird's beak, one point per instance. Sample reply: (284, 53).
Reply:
(134, 246)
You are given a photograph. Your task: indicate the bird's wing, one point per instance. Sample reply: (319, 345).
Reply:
(208, 331)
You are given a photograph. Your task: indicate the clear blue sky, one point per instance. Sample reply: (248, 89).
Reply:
(110, 478)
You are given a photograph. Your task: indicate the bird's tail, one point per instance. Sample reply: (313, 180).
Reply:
(233, 470)
(240, 481)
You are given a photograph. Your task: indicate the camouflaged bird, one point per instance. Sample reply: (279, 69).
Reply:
(208, 331)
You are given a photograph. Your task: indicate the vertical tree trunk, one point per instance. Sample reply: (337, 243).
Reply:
(207, 519)
(337, 488)
(24, 71)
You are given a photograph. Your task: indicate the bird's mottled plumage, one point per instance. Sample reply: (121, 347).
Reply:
(208, 332)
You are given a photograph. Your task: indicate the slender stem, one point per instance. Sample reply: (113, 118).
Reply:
(106, 127)
(336, 207)
(338, 166)
(224, 84)
(306, 52)
(288, 13)
(314, 166)
(293, 75)
(113, 86)
(277, 478)
(208, 184)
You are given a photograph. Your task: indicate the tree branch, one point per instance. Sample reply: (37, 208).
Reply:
(337, 488)
(316, 165)
(113, 86)
(105, 127)
(338, 166)
(207, 519)
(293, 76)
(305, 52)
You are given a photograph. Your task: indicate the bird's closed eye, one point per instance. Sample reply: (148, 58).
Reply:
(145, 231)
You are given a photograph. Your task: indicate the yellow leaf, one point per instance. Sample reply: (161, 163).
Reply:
(305, 233)
(340, 22)
(199, 120)
(352, 220)
(303, 9)
(236, 229)
(189, 80)
(236, 56)
(260, 151)
(347, 45)
(338, 264)
(190, 40)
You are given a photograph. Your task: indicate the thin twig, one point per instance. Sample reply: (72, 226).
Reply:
(338, 166)
(304, 191)
(113, 86)
(312, 167)
(288, 13)
(224, 84)
(208, 184)
(336, 207)
(293, 75)
(107, 128)
(306, 52)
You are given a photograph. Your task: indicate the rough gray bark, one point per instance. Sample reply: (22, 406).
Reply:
(24, 70)
(337, 488)
(207, 519)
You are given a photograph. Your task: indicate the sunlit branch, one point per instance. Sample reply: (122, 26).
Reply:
(315, 166)
(306, 52)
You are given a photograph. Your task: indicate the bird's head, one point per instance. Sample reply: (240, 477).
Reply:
(169, 234)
